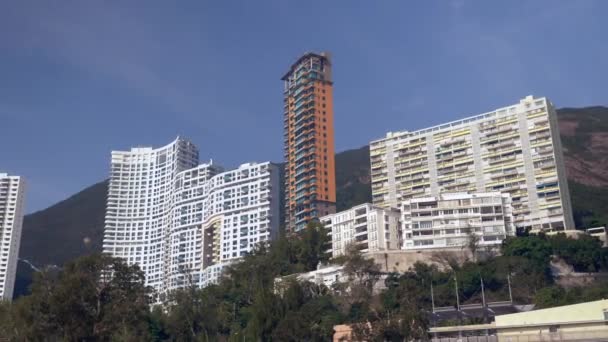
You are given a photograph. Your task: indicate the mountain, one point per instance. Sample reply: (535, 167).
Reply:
(353, 178)
(584, 133)
(61, 232)
(74, 226)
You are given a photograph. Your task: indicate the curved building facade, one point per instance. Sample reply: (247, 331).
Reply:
(220, 217)
(175, 218)
(140, 199)
(12, 207)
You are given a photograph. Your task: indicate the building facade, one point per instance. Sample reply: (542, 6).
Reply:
(516, 150)
(449, 220)
(218, 219)
(182, 222)
(577, 322)
(370, 227)
(310, 181)
(140, 202)
(12, 197)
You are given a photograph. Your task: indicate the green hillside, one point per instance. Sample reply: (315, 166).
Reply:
(74, 226)
(62, 232)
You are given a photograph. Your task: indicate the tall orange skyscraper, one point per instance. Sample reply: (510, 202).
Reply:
(310, 176)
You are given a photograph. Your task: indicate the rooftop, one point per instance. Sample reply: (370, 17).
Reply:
(324, 55)
(454, 124)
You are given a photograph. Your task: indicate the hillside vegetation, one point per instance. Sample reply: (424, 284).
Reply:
(79, 303)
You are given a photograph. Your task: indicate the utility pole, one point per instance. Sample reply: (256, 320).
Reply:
(510, 293)
(432, 297)
(458, 313)
(484, 303)
(433, 318)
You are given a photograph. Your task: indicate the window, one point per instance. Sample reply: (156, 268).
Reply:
(553, 328)
(487, 210)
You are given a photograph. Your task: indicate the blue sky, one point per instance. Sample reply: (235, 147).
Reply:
(81, 78)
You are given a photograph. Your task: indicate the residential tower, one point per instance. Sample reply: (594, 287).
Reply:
(515, 150)
(310, 184)
(12, 197)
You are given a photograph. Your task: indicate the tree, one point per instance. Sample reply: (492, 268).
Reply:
(362, 273)
(194, 314)
(473, 244)
(93, 298)
(584, 253)
(312, 245)
(534, 247)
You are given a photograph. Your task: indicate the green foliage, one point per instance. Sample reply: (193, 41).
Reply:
(557, 296)
(534, 247)
(244, 305)
(584, 253)
(312, 321)
(402, 312)
(83, 302)
(589, 205)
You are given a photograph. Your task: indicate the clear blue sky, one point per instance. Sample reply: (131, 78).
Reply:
(81, 78)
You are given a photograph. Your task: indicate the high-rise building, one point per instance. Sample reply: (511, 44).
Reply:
(369, 227)
(12, 193)
(182, 222)
(310, 180)
(218, 219)
(515, 149)
(140, 201)
(450, 220)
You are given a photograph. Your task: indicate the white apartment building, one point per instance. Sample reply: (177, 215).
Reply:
(140, 203)
(12, 193)
(219, 219)
(448, 220)
(174, 218)
(515, 150)
(370, 227)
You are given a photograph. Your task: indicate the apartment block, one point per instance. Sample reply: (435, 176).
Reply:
(370, 227)
(182, 222)
(310, 180)
(451, 220)
(140, 200)
(515, 150)
(219, 219)
(12, 197)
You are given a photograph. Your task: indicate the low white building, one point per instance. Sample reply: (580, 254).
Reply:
(12, 191)
(327, 275)
(448, 220)
(370, 227)
(600, 233)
